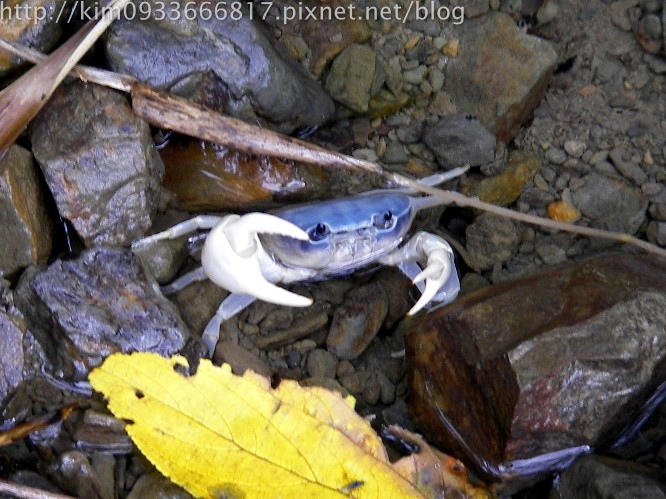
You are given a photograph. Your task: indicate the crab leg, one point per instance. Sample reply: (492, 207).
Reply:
(438, 272)
(191, 225)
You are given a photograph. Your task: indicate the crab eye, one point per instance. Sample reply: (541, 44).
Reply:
(319, 232)
(383, 220)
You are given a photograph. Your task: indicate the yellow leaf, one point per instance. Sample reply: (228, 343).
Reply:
(221, 435)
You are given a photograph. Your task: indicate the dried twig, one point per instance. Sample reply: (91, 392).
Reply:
(168, 111)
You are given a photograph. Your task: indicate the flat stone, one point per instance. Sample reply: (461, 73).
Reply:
(460, 140)
(11, 353)
(543, 363)
(500, 74)
(26, 227)
(102, 168)
(357, 321)
(100, 303)
(611, 203)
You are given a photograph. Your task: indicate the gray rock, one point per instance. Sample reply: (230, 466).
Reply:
(575, 148)
(501, 74)
(621, 159)
(26, 226)
(551, 254)
(11, 352)
(592, 369)
(100, 303)
(395, 153)
(351, 77)
(102, 168)
(611, 203)
(239, 52)
(357, 321)
(152, 485)
(410, 133)
(556, 155)
(459, 140)
(491, 239)
(597, 476)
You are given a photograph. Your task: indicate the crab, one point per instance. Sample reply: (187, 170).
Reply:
(248, 254)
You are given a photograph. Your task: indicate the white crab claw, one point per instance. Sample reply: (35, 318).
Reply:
(435, 274)
(230, 256)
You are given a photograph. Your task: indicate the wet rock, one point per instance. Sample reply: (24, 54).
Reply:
(29, 25)
(649, 33)
(460, 140)
(102, 168)
(205, 176)
(500, 73)
(75, 475)
(273, 86)
(198, 302)
(351, 77)
(100, 303)
(611, 203)
(26, 227)
(491, 239)
(102, 431)
(163, 259)
(11, 356)
(505, 188)
(555, 360)
(597, 476)
(324, 40)
(357, 321)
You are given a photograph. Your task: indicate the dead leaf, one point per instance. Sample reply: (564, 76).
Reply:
(221, 435)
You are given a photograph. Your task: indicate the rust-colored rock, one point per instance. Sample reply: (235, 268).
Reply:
(539, 364)
(205, 176)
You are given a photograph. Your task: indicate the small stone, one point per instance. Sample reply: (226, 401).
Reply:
(621, 159)
(597, 157)
(562, 211)
(436, 78)
(652, 188)
(365, 154)
(351, 76)
(321, 364)
(355, 381)
(357, 321)
(460, 140)
(491, 239)
(450, 49)
(372, 390)
(611, 203)
(411, 133)
(395, 153)
(413, 41)
(415, 76)
(575, 148)
(555, 155)
(551, 254)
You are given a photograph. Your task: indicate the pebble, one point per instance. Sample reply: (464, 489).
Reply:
(575, 148)
(460, 140)
(551, 254)
(321, 364)
(491, 239)
(555, 155)
(366, 154)
(598, 157)
(436, 78)
(357, 321)
(622, 160)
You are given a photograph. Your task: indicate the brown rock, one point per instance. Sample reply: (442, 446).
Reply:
(500, 73)
(357, 321)
(554, 360)
(205, 176)
(26, 228)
